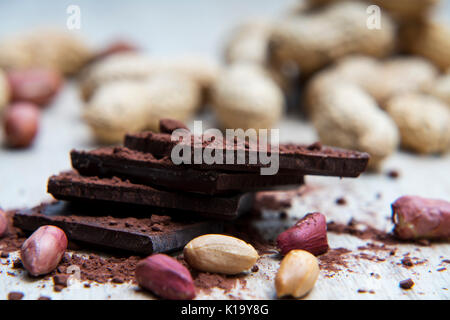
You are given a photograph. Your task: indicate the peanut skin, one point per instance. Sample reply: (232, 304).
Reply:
(420, 218)
(43, 250)
(166, 277)
(37, 86)
(21, 124)
(309, 234)
(3, 223)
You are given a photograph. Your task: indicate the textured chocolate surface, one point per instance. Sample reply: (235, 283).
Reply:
(147, 169)
(72, 186)
(312, 159)
(104, 226)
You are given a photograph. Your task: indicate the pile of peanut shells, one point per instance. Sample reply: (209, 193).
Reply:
(365, 88)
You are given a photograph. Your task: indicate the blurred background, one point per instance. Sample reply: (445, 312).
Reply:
(316, 69)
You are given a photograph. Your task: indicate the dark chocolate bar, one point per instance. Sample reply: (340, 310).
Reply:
(72, 186)
(101, 227)
(146, 169)
(312, 159)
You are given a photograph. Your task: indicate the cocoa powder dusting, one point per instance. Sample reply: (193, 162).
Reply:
(205, 281)
(353, 228)
(101, 270)
(333, 261)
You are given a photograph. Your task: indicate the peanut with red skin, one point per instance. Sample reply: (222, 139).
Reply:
(421, 218)
(37, 86)
(309, 234)
(21, 123)
(43, 250)
(166, 277)
(3, 223)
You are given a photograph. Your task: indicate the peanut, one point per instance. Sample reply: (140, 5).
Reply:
(21, 124)
(345, 116)
(3, 223)
(248, 43)
(45, 48)
(297, 274)
(220, 254)
(166, 277)
(117, 108)
(416, 217)
(37, 86)
(43, 250)
(246, 97)
(170, 95)
(403, 10)
(430, 40)
(423, 121)
(440, 88)
(309, 234)
(4, 91)
(313, 39)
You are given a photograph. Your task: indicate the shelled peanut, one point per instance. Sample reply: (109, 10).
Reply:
(297, 274)
(21, 124)
(43, 250)
(220, 254)
(166, 277)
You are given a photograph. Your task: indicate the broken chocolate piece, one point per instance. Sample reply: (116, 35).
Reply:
(90, 225)
(326, 161)
(146, 169)
(71, 186)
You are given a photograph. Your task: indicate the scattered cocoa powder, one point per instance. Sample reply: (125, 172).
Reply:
(333, 261)
(44, 298)
(341, 201)
(353, 228)
(101, 270)
(206, 281)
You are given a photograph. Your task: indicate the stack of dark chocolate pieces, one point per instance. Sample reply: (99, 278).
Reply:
(135, 198)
